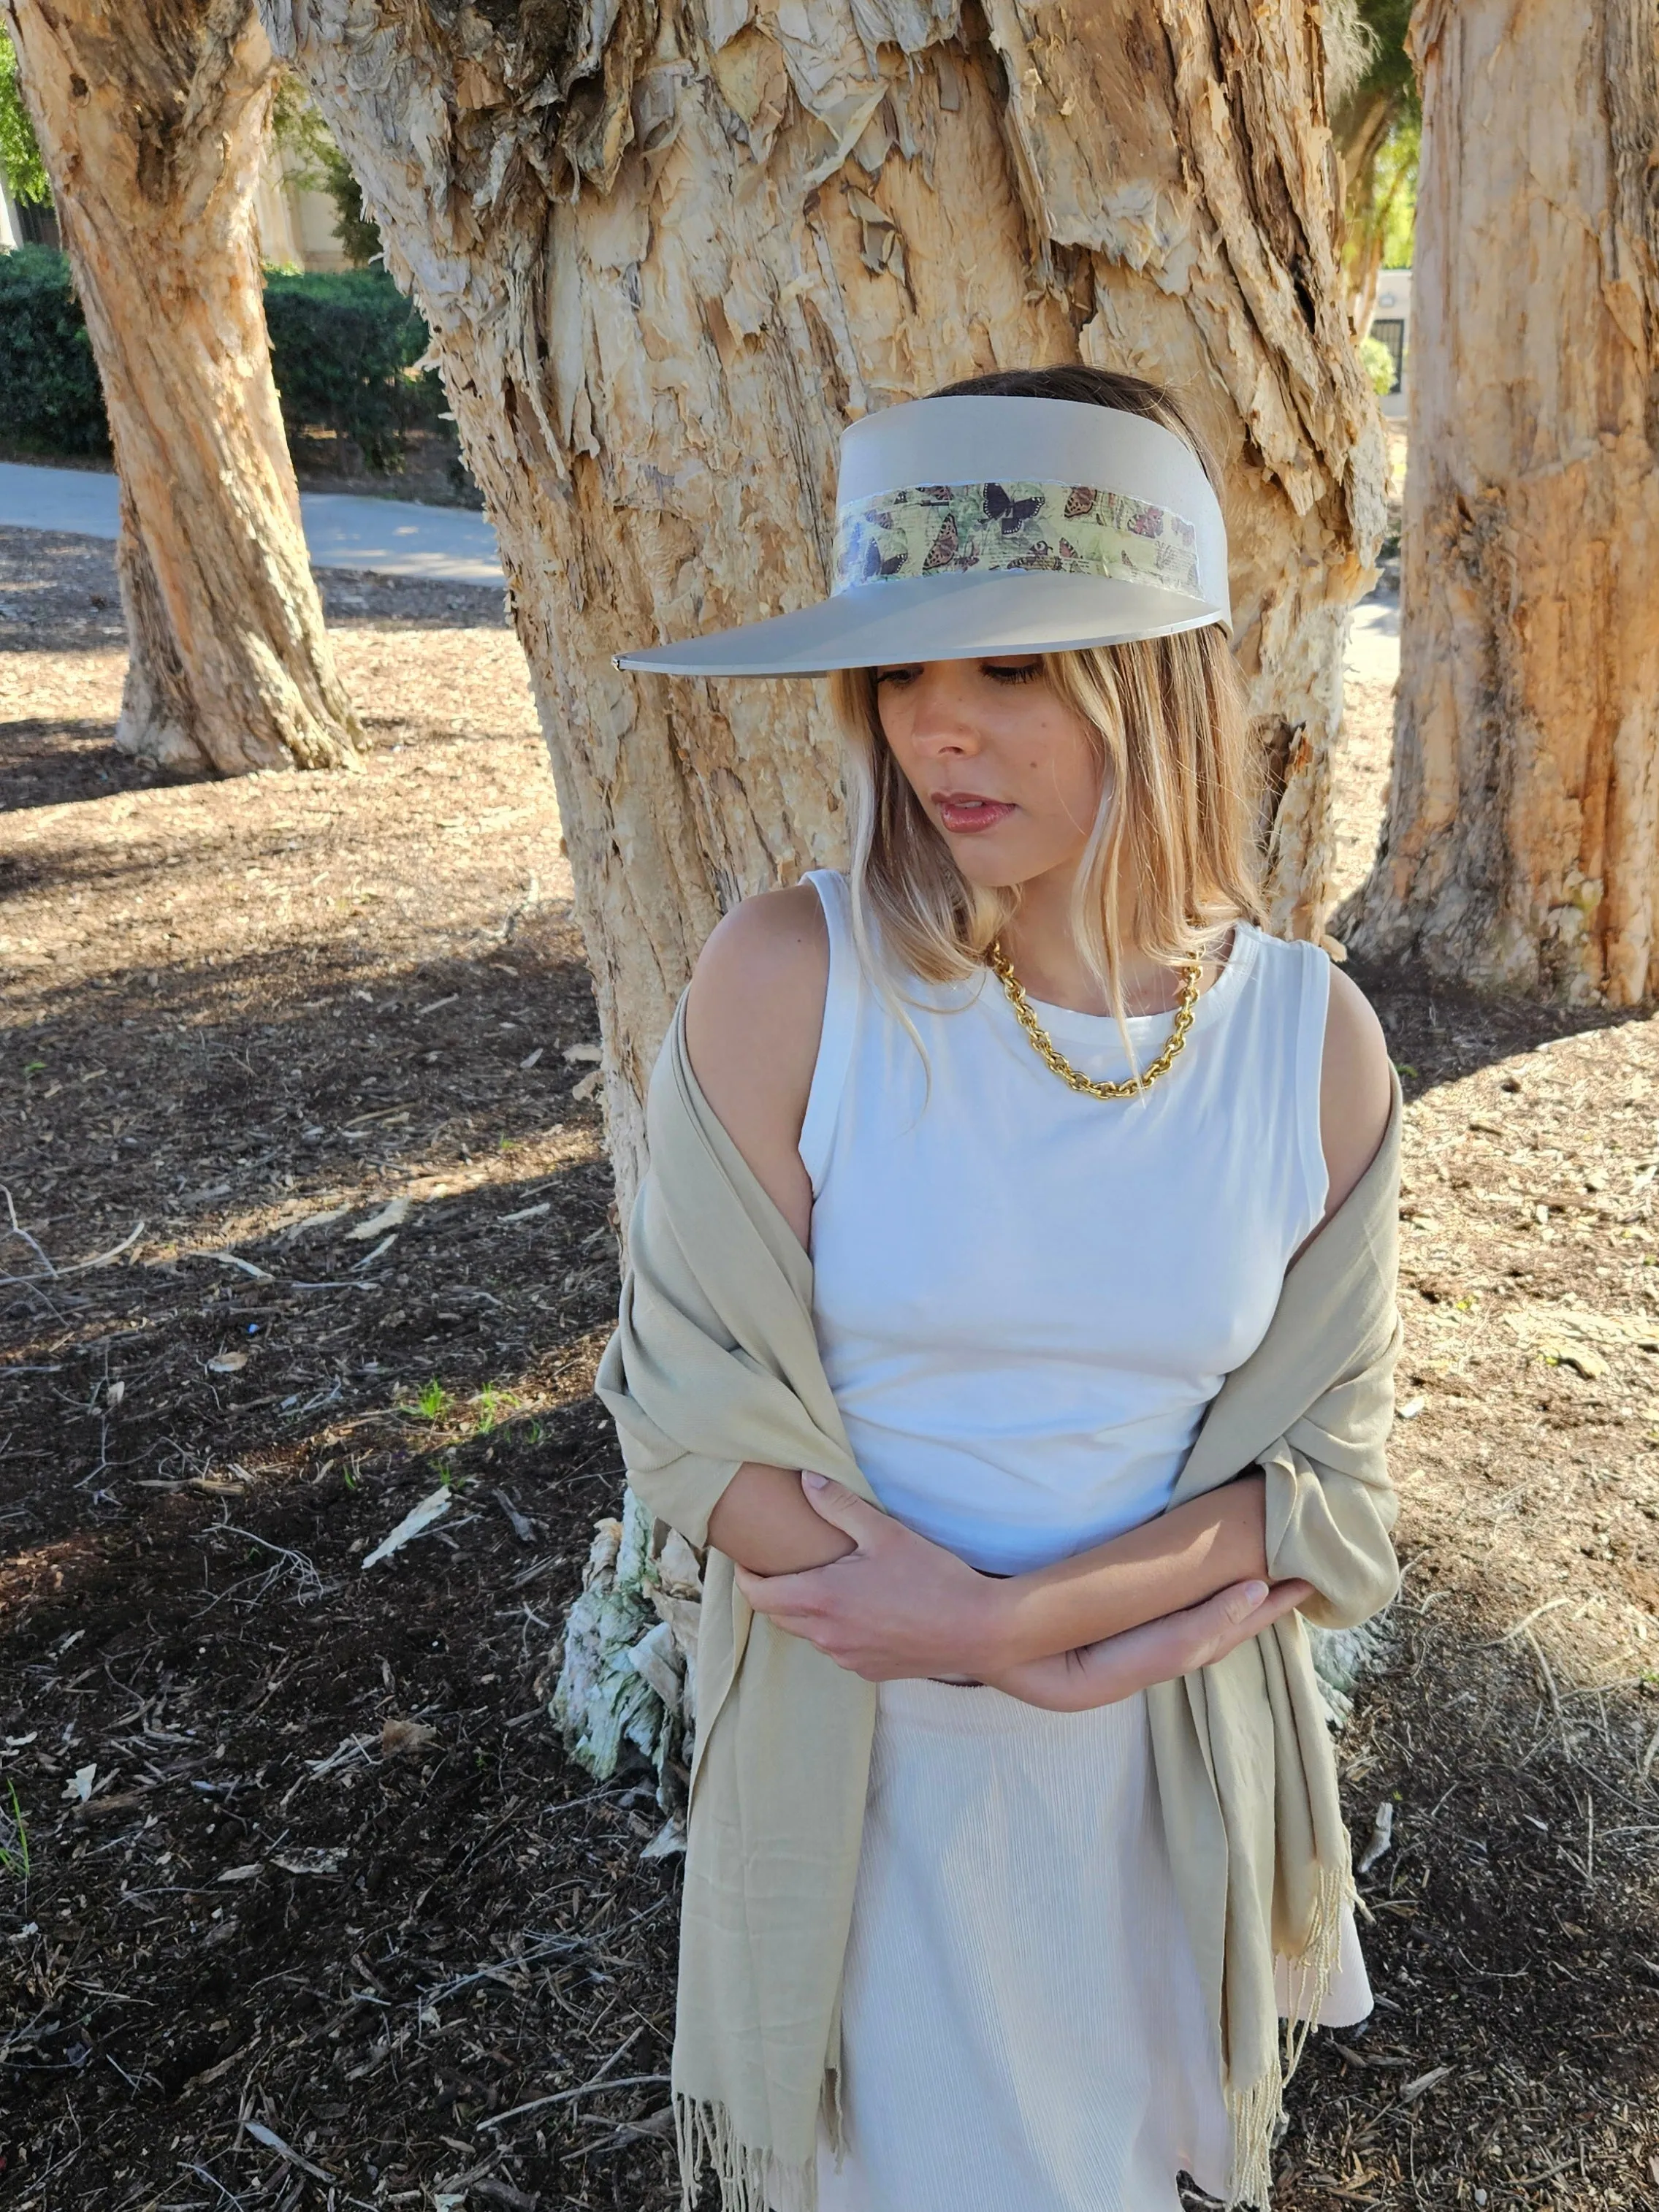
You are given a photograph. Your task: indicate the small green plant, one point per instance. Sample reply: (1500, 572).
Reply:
(14, 1838)
(433, 1403)
(494, 1404)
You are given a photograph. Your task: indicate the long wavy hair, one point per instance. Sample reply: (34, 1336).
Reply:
(1180, 785)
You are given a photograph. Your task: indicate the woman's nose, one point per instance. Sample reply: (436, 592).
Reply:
(941, 720)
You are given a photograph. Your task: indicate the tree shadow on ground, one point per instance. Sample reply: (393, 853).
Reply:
(1438, 1034)
(248, 1136)
(329, 1869)
(54, 763)
(1511, 1931)
(303, 1845)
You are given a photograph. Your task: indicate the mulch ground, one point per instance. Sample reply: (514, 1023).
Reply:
(301, 1902)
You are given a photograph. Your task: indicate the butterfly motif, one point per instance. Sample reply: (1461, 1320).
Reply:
(1012, 514)
(1146, 522)
(1079, 500)
(945, 548)
(875, 567)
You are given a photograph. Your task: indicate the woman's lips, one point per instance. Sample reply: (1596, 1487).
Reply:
(963, 812)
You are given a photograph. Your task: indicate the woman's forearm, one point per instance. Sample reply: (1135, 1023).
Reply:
(764, 1522)
(1162, 1567)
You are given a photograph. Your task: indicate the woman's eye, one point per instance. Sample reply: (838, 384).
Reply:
(894, 675)
(1000, 673)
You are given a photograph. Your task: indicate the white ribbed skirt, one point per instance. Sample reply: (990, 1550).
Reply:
(1023, 2025)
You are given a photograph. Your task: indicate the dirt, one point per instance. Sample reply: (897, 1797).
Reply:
(326, 1871)
(303, 1899)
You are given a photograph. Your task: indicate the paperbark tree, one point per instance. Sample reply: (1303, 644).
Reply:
(150, 119)
(666, 252)
(1370, 97)
(1520, 846)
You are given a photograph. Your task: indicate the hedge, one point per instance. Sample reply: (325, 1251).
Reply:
(50, 399)
(342, 345)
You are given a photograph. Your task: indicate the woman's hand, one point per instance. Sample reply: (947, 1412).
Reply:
(895, 1607)
(1158, 1651)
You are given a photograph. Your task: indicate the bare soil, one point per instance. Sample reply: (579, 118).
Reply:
(301, 1900)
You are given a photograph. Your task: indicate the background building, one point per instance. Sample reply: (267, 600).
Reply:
(1391, 327)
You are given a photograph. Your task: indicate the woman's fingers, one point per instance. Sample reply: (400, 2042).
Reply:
(1158, 1651)
(806, 1593)
(854, 1516)
(1208, 1631)
(784, 1598)
(897, 1605)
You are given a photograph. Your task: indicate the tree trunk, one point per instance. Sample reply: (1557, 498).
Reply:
(667, 253)
(157, 717)
(150, 123)
(1521, 847)
(1361, 132)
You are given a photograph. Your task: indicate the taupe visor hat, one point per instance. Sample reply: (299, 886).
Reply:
(975, 525)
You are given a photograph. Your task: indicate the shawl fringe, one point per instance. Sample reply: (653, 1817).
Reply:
(748, 2180)
(1256, 2113)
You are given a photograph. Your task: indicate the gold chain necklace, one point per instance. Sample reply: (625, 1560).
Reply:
(1043, 1045)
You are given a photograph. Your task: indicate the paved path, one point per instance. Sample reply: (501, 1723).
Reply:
(1373, 653)
(393, 536)
(451, 545)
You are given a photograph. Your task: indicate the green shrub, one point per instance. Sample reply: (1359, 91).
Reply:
(19, 155)
(49, 399)
(342, 345)
(1378, 364)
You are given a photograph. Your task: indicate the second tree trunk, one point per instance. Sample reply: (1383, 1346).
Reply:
(150, 120)
(1521, 850)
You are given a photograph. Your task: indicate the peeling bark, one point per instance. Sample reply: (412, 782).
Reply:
(666, 253)
(158, 716)
(1521, 847)
(150, 122)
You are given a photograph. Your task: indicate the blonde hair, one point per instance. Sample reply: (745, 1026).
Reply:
(1180, 792)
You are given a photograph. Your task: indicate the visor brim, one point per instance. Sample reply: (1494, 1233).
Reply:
(950, 617)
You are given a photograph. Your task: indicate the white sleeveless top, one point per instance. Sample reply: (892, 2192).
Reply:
(1025, 1298)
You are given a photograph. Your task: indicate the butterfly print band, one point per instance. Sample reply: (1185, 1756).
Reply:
(930, 530)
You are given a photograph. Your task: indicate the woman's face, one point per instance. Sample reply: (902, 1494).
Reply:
(1008, 774)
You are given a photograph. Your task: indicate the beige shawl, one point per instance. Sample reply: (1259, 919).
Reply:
(715, 1363)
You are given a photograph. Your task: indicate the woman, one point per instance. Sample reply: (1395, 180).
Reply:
(1054, 1119)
